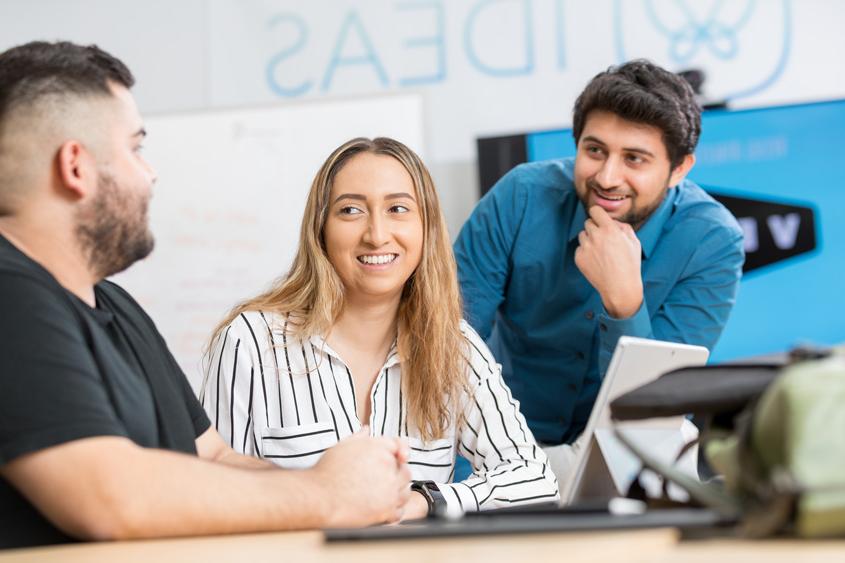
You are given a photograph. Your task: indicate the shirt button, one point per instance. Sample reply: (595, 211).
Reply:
(573, 387)
(603, 327)
(580, 355)
(589, 315)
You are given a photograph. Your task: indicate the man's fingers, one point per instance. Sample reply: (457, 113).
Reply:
(583, 238)
(404, 494)
(392, 445)
(600, 216)
(395, 516)
(629, 230)
(403, 451)
(404, 475)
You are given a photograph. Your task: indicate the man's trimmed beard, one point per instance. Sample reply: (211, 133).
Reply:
(636, 216)
(113, 228)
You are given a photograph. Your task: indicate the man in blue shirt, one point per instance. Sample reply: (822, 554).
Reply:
(563, 257)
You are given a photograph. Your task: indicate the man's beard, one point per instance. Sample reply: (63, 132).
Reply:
(112, 228)
(636, 216)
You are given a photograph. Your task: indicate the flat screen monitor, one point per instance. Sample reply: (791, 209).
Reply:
(777, 170)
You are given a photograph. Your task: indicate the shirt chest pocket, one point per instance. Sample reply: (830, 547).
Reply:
(297, 447)
(431, 460)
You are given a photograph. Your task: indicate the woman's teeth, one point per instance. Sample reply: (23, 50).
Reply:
(377, 259)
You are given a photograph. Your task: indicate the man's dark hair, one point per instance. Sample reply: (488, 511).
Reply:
(36, 69)
(642, 92)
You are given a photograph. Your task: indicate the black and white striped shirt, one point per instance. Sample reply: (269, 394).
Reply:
(287, 400)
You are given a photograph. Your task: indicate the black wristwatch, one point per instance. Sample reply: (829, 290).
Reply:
(432, 495)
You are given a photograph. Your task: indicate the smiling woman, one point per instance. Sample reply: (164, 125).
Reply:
(365, 334)
(374, 231)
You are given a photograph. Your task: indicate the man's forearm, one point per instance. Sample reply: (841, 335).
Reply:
(234, 459)
(211, 446)
(188, 496)
(109, 488)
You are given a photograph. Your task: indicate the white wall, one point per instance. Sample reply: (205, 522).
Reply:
(483, 66)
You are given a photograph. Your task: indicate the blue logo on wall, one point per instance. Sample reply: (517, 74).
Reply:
(697, 31)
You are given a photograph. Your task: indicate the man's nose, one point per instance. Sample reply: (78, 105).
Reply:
(610, 175)
(152, 172)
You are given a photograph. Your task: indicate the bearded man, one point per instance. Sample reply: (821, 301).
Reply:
(101, 436)
(563, 257)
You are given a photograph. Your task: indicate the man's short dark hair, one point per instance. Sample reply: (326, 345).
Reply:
(642, 92)
(33, 70)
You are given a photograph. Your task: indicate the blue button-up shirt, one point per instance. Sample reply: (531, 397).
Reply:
(543, 320)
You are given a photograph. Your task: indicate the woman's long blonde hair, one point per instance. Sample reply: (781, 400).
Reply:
(430, 343)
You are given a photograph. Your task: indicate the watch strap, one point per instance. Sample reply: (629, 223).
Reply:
(432, 495)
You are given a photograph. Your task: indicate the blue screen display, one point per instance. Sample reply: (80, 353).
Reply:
(784, 156)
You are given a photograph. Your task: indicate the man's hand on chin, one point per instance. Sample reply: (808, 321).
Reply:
(609, 255)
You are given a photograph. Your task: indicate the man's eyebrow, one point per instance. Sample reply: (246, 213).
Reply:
(593, 139)
(637, 150)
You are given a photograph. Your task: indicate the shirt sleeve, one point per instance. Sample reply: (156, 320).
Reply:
(51, 390)
(483, 250)
(508, 466)
(696, 309)
(229, 388)
(199, 418)
(150, 333)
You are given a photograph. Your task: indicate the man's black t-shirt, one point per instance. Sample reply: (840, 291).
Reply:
(68, 371)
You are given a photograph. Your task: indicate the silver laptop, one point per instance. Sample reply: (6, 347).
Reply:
(635, 362)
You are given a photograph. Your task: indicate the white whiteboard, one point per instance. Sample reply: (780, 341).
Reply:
(229, 200)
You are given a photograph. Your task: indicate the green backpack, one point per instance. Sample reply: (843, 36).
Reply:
(785, 461)
(775, 436)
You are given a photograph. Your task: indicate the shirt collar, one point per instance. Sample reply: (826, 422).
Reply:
(392, 355)
(577, 224)
(648, 234)
(321, 345)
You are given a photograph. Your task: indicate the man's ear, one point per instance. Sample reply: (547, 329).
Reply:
(77, 169)
(680, 172)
